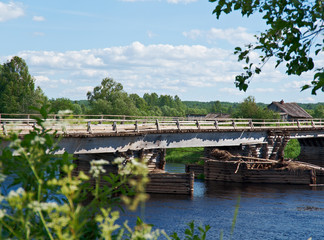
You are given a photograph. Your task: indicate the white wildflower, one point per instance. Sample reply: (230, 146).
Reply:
(119, 160)
(96, 167)
(48, 206)
(2, 177)
(15, 143)
(19, 192)
(100, 162)
(138, 164)
(2, 213)
(42, 206)
(39, 140)
(35, 205)
(19, 151)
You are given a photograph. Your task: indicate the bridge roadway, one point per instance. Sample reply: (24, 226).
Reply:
(92, 136)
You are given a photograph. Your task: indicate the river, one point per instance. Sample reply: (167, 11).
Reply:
(266, 211)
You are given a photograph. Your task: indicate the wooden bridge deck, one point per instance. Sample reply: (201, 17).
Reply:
(124, 125)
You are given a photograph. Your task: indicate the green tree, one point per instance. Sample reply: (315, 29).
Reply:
(122, 104)
(109, 98)
(294, 36)
(140, 103)
(151, 99)
(17, 87)
(155, 111)
(249, 109)
(105, 91)
(216, 107)
(60, 104)
(100, 106)
(319, 111)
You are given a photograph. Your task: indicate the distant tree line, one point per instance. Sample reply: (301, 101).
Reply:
(18, 92)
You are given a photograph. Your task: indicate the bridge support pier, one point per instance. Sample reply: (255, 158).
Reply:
(160, 182)
(273, 148)
(312, 150)
(154, 157)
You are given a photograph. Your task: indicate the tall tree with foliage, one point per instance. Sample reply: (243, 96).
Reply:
(294, 37)
(109, 98)
(17, 87)
(105, 91)
(249, 109)
(61, 104)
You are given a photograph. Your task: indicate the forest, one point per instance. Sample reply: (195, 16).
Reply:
(18, 91)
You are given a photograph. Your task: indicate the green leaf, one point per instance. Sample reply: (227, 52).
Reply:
(305, 87)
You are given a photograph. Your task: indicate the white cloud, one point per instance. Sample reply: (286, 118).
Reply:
(38, 18)
(296, 84)
(232, 91)
(234, 36)
(10, 10)
(308, 99)
(67, 60)
(263, 90)
(40, 79)
(162, 68)
(78, 92)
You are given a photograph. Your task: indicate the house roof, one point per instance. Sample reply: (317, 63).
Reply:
(217, 115)
(292, 109)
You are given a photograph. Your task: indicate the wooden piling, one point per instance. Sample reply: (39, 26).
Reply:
(171, 183)
(197, 169)
(228, 171)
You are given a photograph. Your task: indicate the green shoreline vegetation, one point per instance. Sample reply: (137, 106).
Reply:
(185, 155)
(195, 155)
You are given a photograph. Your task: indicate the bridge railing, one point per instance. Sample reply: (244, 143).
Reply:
(120, 123)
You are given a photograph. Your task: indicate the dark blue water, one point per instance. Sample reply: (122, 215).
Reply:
(268, 211)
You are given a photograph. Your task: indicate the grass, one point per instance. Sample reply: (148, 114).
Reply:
(193, 155)
(185, 155)
(292, 150)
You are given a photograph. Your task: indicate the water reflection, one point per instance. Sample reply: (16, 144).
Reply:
(175, 168)
(249, 190)
(267, 211)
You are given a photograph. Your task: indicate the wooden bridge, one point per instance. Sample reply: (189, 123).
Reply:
(85, 134)
(110, 136)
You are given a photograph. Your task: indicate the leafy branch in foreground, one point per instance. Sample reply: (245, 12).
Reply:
(294, 36)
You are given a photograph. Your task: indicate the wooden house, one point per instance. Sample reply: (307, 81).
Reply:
(289, 111)
(217, 115)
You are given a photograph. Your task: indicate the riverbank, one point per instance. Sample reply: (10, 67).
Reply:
(185, 155)
(195, 155)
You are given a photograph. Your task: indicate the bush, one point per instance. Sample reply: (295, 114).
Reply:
(292, 150)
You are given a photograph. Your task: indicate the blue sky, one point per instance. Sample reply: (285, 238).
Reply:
(174, 47)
